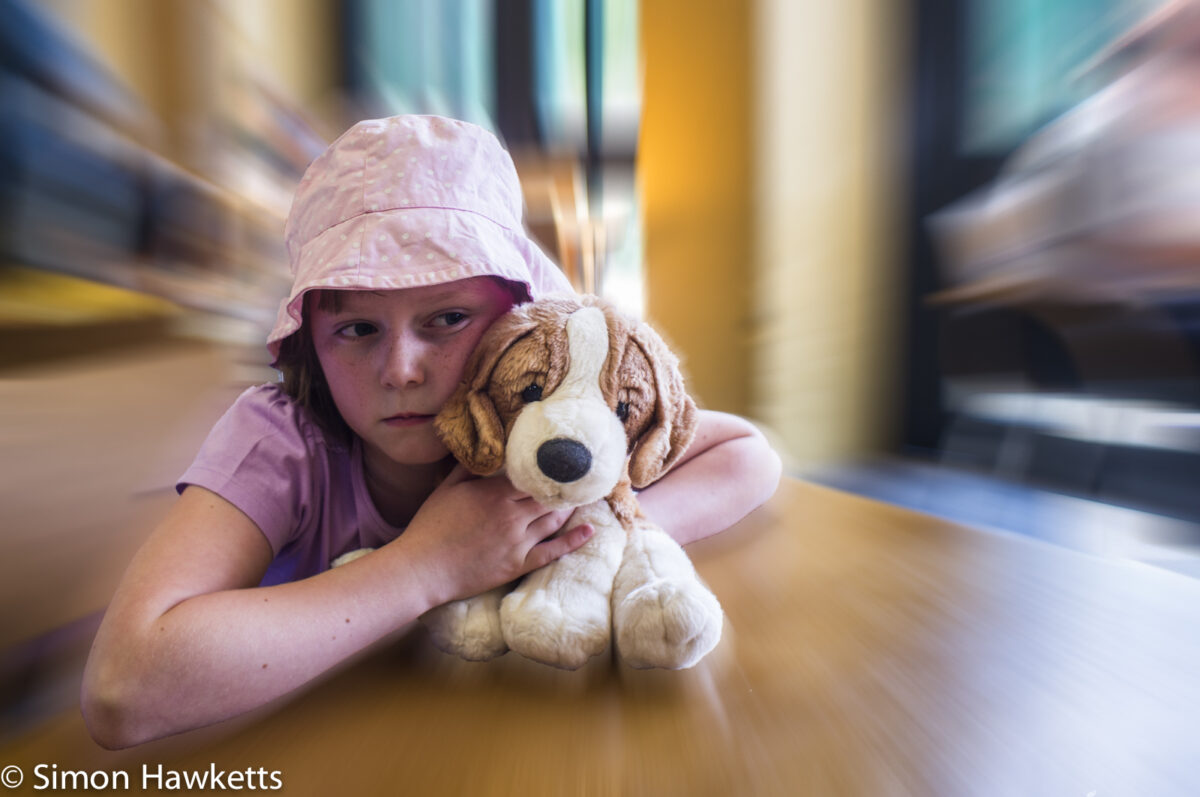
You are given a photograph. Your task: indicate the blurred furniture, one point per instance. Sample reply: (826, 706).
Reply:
(1098, 206)
(1072, 280)
(85, 191)
(869, 650)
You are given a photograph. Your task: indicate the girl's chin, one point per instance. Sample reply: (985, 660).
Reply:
(414, 455)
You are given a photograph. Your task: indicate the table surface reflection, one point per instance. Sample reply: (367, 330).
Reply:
(868, 650)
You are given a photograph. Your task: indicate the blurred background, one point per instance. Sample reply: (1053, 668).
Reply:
(944, 252)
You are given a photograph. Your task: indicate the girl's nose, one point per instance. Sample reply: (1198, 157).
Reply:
(405, 364)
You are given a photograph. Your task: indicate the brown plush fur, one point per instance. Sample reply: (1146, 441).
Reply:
(624, 504)
(529, 346)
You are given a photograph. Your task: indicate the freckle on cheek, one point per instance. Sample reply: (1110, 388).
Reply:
(264, 666)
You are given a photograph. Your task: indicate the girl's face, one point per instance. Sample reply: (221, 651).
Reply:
(393, 358)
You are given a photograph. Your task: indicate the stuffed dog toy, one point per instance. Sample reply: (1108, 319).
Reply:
(578, 406)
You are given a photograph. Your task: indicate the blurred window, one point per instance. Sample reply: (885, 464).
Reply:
(1024, 59)
(428, 56)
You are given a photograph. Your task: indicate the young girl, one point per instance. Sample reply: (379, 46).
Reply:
(406, 243)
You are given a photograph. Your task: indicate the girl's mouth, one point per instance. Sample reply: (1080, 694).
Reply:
(408, 419)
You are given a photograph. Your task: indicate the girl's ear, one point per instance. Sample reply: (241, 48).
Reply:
(674, 425)
(469, 424)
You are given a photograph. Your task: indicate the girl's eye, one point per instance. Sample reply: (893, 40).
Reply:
(622, 410)
(359, 329)
(532, 393)
(449, 319)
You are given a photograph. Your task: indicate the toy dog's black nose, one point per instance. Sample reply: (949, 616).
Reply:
(564, 460)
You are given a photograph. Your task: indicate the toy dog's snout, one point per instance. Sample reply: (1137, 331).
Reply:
(610, 403)
(569, 448)
(564, 460)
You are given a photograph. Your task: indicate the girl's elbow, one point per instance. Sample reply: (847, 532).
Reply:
(772, 470)
(760, 466)
(767, 467)
(111, 710)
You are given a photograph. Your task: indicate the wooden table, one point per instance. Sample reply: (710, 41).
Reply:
(868, 651)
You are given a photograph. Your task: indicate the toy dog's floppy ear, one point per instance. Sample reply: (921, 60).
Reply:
(469, 424)
(674, 425)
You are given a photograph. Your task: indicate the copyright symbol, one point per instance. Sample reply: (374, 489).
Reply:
(12, 776)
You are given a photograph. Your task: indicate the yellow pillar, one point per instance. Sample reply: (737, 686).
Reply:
(694, 165)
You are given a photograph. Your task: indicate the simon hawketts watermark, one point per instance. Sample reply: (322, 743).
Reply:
(52, 777)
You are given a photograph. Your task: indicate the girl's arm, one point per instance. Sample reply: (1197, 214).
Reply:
(728, 471)
(189, 640)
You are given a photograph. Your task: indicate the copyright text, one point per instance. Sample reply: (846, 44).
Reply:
(52, 777)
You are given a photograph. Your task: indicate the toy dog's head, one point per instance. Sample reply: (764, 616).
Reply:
(563, 393)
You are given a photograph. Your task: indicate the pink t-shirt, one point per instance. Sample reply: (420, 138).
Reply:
(305, 491)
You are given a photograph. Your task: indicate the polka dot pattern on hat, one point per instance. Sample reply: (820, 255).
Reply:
(409, 201)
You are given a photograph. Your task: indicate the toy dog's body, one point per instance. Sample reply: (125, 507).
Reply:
(579, 406)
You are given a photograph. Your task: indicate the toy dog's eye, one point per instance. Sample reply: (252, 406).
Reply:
(622, 410)
(532, 393)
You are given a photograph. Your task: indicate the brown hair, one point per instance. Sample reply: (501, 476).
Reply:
(303, 378)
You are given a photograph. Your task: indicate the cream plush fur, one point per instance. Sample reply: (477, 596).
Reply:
(612, 401)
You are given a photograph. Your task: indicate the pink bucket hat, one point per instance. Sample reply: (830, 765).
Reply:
(404, 202)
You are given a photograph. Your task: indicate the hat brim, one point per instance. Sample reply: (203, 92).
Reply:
(409, 248)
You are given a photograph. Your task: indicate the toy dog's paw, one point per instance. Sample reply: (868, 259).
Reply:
(347, 558)
(539, 627)
(468, 628)
(667, 624)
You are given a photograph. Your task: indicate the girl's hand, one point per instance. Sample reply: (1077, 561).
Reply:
(474, 534)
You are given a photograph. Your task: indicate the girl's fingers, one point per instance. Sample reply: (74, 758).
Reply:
(551, 522)
(547, 551)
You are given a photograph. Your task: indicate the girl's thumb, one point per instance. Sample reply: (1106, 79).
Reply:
(456, 476)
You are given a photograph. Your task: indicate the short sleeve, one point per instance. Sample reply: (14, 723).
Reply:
(262, 456)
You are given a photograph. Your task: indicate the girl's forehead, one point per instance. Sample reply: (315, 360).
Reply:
(474, 289)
